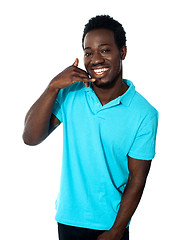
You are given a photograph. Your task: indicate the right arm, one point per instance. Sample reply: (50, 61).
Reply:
(39, 121)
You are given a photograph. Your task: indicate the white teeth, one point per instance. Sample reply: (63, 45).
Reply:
(100, 71)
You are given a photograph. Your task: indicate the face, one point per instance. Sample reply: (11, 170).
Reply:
(102, 57)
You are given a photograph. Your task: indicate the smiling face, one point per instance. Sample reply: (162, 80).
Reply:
(102, 57)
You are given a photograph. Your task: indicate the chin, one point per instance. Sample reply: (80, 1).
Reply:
(100, 83)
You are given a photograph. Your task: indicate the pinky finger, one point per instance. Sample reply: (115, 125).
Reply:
(83, 79)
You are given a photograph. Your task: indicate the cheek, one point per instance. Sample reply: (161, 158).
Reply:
(117, 66)
(86, 62)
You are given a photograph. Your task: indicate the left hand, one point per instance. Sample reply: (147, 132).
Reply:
(110, 235)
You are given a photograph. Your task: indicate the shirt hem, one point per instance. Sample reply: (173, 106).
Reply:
(85, 225)
(82, 225)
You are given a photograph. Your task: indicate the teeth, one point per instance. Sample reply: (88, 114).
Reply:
(100, 71)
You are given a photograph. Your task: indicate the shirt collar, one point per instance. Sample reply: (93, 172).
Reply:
(126, 98)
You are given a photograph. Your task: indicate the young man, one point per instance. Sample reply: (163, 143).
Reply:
(109, 133)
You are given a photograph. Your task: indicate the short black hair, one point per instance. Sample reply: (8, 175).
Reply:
(106, 22)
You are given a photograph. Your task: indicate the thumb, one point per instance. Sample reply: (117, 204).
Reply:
(76, 62)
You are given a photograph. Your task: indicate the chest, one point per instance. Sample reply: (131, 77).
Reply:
(113, 124)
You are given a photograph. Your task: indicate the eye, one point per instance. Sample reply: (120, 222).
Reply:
(87, 54)
(105, 50)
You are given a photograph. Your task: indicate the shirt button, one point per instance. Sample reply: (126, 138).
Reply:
(98, 104)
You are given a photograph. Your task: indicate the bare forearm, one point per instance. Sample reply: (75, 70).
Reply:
(37, 120)
(129, 203)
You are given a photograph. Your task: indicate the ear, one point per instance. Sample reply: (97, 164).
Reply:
(123, 52)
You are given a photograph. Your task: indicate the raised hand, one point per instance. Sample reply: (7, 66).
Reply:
(69, 76)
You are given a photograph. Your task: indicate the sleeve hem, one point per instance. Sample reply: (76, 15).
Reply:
(57, 115)
(56, 111)
(142, 157)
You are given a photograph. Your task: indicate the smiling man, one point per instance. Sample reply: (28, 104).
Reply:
(109, 135)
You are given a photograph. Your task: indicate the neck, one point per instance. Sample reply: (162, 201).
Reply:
(106, 95)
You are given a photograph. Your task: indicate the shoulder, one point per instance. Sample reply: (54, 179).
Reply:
(76, 87)
(141, 106)
(137, 103)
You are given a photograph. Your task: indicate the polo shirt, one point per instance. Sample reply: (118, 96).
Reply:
(96, 142)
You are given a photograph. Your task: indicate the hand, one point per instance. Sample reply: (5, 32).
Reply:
(69, 76)
(111, 234)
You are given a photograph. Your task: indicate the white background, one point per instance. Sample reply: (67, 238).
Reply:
(39, 38)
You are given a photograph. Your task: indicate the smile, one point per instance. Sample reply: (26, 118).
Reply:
(100, 71)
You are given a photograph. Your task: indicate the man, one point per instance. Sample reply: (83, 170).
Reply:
(109, 133)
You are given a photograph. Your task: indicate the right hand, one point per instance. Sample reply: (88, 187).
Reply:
(69, 76)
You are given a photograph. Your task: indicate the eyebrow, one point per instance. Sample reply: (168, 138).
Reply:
(101, 45)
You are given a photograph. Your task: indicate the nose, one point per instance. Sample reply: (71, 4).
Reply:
(97, 59)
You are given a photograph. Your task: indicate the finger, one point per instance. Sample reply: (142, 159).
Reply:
(78, 78)
(90, 80)
(79, 70)
(81, 74)
(76, 62)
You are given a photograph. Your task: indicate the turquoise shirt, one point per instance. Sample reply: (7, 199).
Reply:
(96, 142)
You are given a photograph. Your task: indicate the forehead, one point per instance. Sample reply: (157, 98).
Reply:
(97, 37)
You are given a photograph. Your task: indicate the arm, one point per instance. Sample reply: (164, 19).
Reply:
(40, 121)
(138, 171)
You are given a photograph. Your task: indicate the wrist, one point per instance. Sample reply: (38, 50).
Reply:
(51, 87)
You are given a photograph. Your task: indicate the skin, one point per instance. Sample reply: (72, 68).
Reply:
(100, 52)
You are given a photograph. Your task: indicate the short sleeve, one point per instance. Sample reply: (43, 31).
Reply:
(144, 144)
(57, 108)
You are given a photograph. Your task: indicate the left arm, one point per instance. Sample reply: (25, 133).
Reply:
(138, 171)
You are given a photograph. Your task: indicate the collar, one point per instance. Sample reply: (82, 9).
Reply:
(125, 99)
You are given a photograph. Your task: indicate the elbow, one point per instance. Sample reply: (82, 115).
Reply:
(29, 140)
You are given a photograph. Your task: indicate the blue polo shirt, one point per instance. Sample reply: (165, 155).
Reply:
(96, 142)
